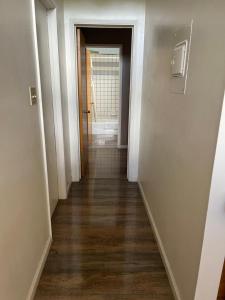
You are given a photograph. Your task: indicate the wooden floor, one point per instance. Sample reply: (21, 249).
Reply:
(107, 163)
(103, 246)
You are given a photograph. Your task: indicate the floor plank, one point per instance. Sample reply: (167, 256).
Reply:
(103, 245)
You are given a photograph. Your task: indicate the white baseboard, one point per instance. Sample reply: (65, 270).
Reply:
(161, 247)
(37, 275)
(53, 206)
(68, 188)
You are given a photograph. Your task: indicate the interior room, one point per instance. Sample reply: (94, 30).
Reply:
(105, 85)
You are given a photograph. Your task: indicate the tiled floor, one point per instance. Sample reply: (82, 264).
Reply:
(103, 140)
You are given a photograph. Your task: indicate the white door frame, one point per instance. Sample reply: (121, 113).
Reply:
(119, 144)
(135, 92)
(120, 47)
(56, 92)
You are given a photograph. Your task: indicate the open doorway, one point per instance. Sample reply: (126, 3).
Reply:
(103, 64)
(104, 81)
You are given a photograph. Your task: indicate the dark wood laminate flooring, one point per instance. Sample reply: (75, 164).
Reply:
(103, 245)
(107, 163)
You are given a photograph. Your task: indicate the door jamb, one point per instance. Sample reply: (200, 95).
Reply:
(121, 98)
(134, 114)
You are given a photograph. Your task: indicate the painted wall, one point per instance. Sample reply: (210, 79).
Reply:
(110, 11)
(47, 101)
(24, 212)
(64, 98)
(179, 134)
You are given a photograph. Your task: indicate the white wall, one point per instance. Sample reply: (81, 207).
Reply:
(47, 101)
(111, 11)
(24, 211)
(64, 98)
(56, 33)
(179, 134)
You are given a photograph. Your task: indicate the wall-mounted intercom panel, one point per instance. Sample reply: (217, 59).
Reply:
(180, 58)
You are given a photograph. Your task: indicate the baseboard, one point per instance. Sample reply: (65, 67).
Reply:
(68, 188)
(161, 247)
(53, 206)
(122, 146)
(37, 275)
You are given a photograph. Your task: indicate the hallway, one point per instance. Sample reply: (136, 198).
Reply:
(103, 246)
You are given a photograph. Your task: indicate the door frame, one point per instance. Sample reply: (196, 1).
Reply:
(51, 10)
(82, 110)
(120, 100)
(120, 47)
(137, 52)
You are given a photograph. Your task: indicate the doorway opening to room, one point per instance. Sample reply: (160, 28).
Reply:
(104, 95)
(103, 65)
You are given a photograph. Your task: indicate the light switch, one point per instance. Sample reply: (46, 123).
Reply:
(33, 95)
(179, 58)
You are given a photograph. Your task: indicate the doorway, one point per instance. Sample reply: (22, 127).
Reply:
(103, 65)
(104, 82)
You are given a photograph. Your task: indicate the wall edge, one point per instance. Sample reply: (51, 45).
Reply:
(37, 275)
(162, 251)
